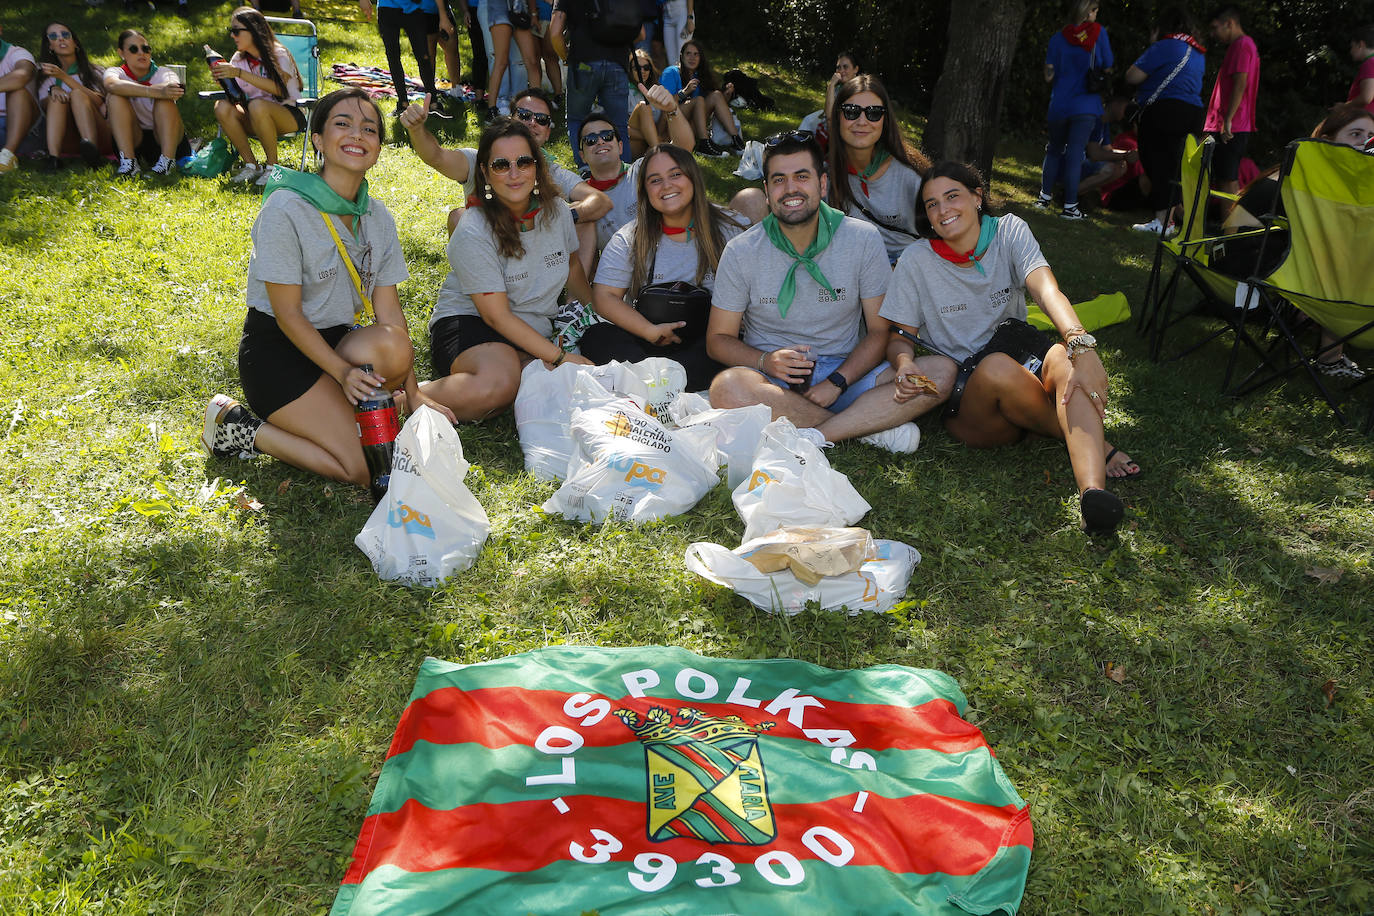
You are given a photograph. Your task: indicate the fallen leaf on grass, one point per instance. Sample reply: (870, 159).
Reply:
(1329, 689)
(1115, 672)
(1256, 450)
(1047, 477)
(328, 490)
(1325, 575)
(281, 487)
(244, 501)
(1369, 497)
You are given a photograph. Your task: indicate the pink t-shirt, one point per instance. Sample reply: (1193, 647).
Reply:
(1366, 72)
(285, 65)
(1241, 57)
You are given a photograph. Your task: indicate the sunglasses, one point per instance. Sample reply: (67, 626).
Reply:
(235, 29)
(135, 49)
(797, 136)
(537, 117)
(600, 136)
(850, 112)
(502, 166)
(59, 36)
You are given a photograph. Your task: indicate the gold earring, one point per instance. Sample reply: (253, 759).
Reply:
(535, 192)
(488, 192)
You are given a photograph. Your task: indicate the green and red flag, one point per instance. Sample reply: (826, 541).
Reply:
(653, 780)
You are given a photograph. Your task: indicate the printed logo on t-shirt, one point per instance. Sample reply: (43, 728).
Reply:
(555, 259)
(328, 274)
(516, 278)
(951, 309)
(1001, 297)
(823, 295)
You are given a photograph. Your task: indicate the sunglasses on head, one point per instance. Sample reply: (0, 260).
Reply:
(600, 136)
(235, 29)
(799, 136)
(503, 165)
(850, 112)
(537, 117)
(59, 35)
(135, 49)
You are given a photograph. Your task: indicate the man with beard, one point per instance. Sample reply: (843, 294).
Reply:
(795, 314)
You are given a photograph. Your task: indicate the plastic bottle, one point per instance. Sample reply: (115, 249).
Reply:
(232, 90)
(378, 426)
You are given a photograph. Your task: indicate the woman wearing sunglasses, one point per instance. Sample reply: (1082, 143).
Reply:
(510, 259)
(323, 252)
(268, 76)
(141, 101)
(645, 120)
(874, 174)
(71, 91)
(676, 238)
(1013, 380)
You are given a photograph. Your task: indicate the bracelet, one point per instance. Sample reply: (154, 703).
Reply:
(562, 355)
(762, 357)
(1074, 332)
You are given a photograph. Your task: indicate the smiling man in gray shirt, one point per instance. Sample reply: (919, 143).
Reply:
(795, 313)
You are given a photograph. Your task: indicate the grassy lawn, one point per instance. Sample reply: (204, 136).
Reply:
(196, 693)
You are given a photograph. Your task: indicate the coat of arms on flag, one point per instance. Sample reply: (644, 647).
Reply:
(617, 781)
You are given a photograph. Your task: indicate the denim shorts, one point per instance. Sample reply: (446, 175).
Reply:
(828, 364)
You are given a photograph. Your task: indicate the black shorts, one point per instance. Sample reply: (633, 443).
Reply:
(272, 371)
(1023, 342)
(448, 337)
(1227, 156)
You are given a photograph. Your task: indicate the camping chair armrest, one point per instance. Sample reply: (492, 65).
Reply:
(213, 95)
(1225, 195)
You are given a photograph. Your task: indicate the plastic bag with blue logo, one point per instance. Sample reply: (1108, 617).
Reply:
(543, 409)
(429, 525)
(628, 466)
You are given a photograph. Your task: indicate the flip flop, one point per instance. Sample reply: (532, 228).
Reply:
(1102, 511)
(1131, 476)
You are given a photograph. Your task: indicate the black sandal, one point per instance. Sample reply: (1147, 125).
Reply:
(1102, 511)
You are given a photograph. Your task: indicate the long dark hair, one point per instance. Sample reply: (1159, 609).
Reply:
(891, 140)
(708, 218)
(502, 223)
(634, 70)
(267, 45)
(84, 72)
(705, 76)
(967, 175)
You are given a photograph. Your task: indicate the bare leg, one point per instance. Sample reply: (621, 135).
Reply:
(233, 120)
(123, 125)
(167, 126)
(482, 382)
(529, 50)
(20, 112)
(58, 114)
(270, 120)
(500, 49)
(721, 109)
(551, 65)
(695, 112)
(877, 409)
(643, 131)
(90, 122)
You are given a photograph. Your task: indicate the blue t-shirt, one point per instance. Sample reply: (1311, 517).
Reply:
(405, 6)
(1159, 60)
(1069, 95)
(671, 79)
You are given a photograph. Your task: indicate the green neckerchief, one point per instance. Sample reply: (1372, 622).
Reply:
(987, 231)
(316, 190)
(827, 221)
(874, 164)
(4, 48)
(74, 69)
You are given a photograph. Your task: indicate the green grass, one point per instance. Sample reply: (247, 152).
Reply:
(195, 697)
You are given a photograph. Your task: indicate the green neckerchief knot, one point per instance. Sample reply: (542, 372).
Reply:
(987, 231)
(828, 219)
(4, 48)
(73, 70)
(318, 192)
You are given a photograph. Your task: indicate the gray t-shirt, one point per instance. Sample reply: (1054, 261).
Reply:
(957, 308)
(292, 245)
(893, 198)
(624, 195)
(531, 283)
(675, 260)
(751, 273)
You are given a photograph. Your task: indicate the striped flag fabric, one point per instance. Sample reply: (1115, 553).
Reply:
(578, 779)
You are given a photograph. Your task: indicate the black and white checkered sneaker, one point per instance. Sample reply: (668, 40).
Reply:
(229, 429)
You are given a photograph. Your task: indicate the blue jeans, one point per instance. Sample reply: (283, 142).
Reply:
(604, 81)
(1064, 155)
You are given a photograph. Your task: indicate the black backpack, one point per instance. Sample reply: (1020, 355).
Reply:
(614, 22)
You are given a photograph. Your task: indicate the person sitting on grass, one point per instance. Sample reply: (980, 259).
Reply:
(874, 172)
(141, 99)
(18, 103)
(677, 236)
(510, 259)
(267, 74)
(986, 264)
(795, 315)
(646, 121)
(72, 93)
(694, 84)
(322, 250)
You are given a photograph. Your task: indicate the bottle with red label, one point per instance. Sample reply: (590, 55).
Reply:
(232, 90)
(378, 426)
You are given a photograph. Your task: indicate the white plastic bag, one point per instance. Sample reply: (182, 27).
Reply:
(751, 161)
(626, 465)
(719, 135)
(429, 525)
(876, 586)
(665, 380)
(738, 430)
(812, 121)
(791, 483)
(543, 408)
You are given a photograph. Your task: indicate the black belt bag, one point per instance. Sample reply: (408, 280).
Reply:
(1014, 337)
(662, 303)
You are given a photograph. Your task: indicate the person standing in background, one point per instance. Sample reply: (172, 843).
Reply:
(1231, 111)
(1362, 53)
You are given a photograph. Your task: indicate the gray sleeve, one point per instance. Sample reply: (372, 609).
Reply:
(873, 265)
(390, 261)
(565, 179)
(903, 300)
(732, 278)
(1023, 251)
(276, 254)
(473, 256)
(615, 269)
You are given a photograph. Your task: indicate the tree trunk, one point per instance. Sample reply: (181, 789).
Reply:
(968, 96)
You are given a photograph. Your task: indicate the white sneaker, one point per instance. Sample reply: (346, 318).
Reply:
(249, 172)
(128, 168)
(1153, 225)
(264, 176)
(814, 436)
(8, 161)
(902, 440)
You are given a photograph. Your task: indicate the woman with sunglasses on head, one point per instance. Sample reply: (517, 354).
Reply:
(268, 76)
(510, 259)
(676, 238)
(875, 174)
(323, 252)
(71, 91)
(141, 101)
(694, 83)
(1012, 379)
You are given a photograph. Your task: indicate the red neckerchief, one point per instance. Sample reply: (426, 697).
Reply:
(1084, 35)
(1188, 39)
(527, 218)
(941, 247)
(605, 184)
(675, 230)
(147, 80)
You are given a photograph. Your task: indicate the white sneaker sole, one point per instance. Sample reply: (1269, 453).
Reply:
(213, 411)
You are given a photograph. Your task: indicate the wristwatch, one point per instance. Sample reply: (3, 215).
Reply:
(573, 211)
(838, 381)
(1079, 343)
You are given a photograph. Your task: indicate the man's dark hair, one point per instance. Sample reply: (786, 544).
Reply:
(534, 92)
(789, 144)
(598, 115)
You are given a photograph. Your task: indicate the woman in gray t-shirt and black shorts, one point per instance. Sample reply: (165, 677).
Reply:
(511, 257)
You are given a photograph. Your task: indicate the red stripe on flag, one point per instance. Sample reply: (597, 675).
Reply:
(918, 833)
(500, 716)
